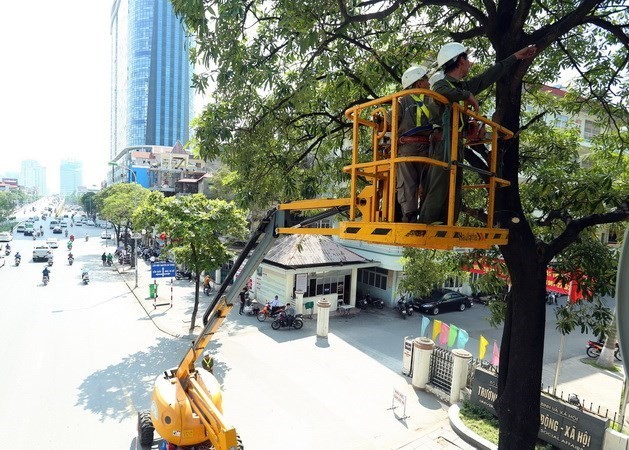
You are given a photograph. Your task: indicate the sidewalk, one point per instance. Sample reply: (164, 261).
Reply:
(334, 393)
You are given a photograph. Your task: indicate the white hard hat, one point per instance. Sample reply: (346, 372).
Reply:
(206, 353)
(438, 75)
(413, 74)
(449, 51)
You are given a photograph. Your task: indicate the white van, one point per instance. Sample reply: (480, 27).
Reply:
(53, 223)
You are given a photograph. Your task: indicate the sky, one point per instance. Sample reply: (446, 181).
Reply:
(54, 88)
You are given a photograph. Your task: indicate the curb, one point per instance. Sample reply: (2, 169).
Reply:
(465, 433)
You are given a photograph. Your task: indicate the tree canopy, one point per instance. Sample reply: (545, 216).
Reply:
(282, 73)
(196, 228)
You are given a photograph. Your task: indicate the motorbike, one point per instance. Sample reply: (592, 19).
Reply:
(252, 308)
(594, 349)
(45, 279)
(374, 301)
(86, 238)
(70, 260)
(207, 290)
(18, 260)
(283, 322)
(49, 261)
(85, 277)
(268, 311)
(405, 306)
(181, 274)
(109, 262)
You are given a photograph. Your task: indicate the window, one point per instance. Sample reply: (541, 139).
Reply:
(374, 276)
(590, 129)
(453, 283)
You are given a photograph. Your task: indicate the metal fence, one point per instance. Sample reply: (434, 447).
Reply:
(471, 369)
(441, 363)
(585, 405)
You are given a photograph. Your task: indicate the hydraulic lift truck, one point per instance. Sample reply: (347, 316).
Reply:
(186, 407)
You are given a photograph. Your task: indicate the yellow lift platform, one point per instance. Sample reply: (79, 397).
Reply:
(372, 210)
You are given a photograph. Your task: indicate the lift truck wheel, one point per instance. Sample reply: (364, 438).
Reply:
(145, 428)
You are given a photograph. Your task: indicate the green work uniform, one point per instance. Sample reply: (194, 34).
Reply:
(435, 208)
(208, 363)
(415, 111)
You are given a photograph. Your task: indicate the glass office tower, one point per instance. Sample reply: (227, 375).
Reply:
(151, 94)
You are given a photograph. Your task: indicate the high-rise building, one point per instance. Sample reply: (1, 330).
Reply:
(70, 176)
(151, 94)
(33, 176)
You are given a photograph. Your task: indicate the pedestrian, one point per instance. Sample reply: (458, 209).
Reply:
(104, 258)
(243, 298)
(453, 59)
(208, 362)
(416, 113)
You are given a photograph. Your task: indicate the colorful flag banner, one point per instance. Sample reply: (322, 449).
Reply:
(482, 347)
(452, 336)
(462, 338)
(495, 361)
(445, 332)
(436, 329)
(425, 322)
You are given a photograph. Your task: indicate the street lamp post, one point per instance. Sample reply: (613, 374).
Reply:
(135, 238)
(113, 177)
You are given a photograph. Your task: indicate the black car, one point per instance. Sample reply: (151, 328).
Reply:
(442, 300)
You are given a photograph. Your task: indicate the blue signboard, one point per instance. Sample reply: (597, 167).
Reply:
(163, 270)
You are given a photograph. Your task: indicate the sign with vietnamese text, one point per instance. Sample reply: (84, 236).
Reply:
(561, 424)
(163, 270)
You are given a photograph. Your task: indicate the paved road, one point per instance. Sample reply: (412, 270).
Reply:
(76, 359)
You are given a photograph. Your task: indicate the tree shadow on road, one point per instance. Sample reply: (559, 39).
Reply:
(119, 390)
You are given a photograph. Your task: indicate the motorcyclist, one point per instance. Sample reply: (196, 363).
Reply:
(8, 247)
(46, 273)
(49, 259)
(86, 237)
(275, 305)
(70, 255)
(85, 274)
(66, 232)
(18, 256)
(290, 314)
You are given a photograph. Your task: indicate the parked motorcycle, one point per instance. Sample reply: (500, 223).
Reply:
(283, 321)
(362, 303)
(374, 301)
(268, 311)
(405, 306)
(594, 349)
(181, 274)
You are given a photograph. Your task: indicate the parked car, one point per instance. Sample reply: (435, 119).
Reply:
(90, 223)
(20, 228)
(5, 236)
(442, 300)
(106, 235)
(57, 230)
(52, 242)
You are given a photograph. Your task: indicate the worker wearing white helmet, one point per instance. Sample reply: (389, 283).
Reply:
(453, 59)
(416, 113)
(438, 75)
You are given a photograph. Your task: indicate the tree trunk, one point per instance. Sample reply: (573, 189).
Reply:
(193, 320)
(522, 350)
(606, 358)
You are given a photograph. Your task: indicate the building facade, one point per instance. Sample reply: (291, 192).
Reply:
(70, 176)
(151, 97)
(33, 177)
